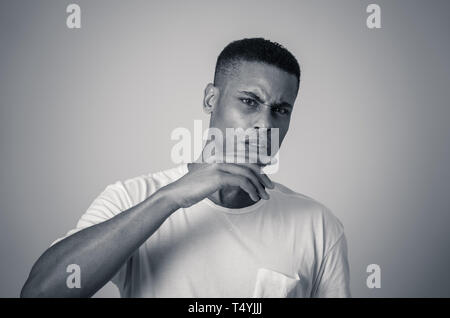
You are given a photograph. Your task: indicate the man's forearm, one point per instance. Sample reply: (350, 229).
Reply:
(99, 250)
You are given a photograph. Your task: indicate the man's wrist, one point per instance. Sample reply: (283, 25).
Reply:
(166, 197)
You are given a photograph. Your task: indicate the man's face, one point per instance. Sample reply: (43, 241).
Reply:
(256, 95)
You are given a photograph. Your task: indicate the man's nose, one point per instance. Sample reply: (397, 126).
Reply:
(265, 119)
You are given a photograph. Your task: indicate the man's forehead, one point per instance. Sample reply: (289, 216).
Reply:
(266, 81)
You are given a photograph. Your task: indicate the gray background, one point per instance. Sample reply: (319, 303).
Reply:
(81, 109)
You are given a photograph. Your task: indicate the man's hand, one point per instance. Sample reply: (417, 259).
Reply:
(204, 179)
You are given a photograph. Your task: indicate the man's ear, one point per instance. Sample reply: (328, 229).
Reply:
(210, 99)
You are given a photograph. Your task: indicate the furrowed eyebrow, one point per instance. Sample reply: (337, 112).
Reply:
(259, 100)
(282, 104)
(253, 95)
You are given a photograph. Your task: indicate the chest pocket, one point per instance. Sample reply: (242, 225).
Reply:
(272, 284)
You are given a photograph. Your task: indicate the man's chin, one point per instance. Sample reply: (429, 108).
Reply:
(259, 160)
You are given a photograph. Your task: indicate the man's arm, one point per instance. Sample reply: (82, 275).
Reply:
(98, 250)
(101, 249)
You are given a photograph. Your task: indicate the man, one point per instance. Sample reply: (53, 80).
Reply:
(209, 229)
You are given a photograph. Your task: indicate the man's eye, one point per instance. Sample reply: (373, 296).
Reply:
(249, 101)
(281, 110)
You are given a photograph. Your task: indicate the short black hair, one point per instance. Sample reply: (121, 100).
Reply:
(256, 50)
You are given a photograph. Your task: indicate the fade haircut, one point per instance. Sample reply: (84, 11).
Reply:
(255, 50)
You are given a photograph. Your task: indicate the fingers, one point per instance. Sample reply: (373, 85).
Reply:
(249, 174)
(264, 179)
(243, 183)
(258, 171)
(259, 181)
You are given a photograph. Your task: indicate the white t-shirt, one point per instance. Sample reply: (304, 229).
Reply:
(288, 246)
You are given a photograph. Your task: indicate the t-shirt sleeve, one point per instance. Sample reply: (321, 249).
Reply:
(111, 201)
(333, 280)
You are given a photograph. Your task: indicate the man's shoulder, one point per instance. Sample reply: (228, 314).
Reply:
(160, 176)
(286, 192)
(139, 187)
(307, 209)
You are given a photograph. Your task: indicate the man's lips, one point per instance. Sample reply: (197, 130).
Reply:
(259, 145)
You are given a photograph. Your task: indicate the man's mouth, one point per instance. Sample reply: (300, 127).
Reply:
(261, 145)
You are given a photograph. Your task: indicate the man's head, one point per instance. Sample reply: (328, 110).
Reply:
(255, 85)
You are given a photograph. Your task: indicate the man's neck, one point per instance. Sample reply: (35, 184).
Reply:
(232, 198)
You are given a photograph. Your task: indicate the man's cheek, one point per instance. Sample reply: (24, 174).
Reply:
(237, 119)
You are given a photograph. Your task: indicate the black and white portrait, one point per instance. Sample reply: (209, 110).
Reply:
(224, 149)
